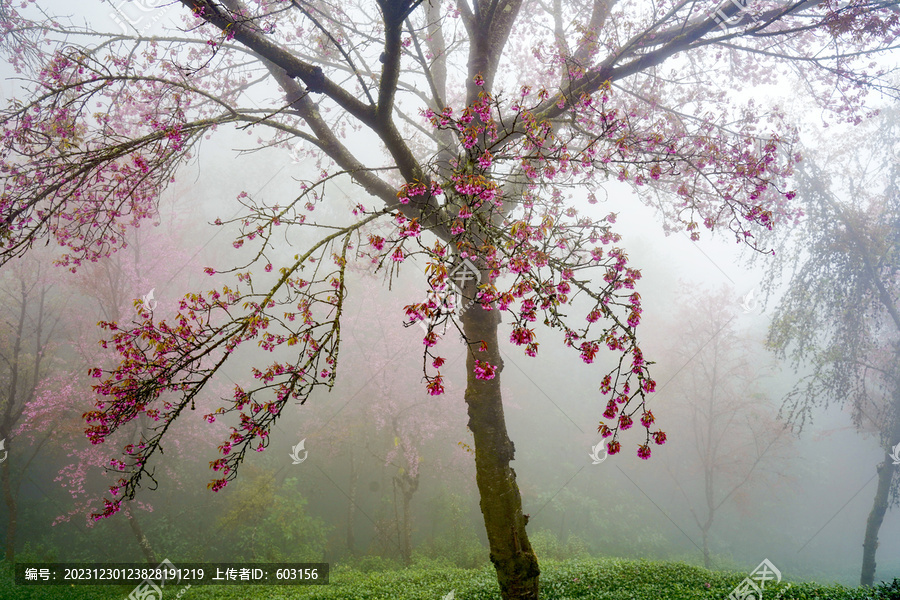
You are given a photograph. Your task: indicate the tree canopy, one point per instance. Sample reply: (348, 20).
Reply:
(472, 130)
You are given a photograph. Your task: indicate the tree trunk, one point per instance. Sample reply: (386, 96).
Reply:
(351, 508)
(876, 516)
(142, 540)
(880, 505)
(408, 486)
(12, 507)
(706, 561)
(562, 529)
(501, 504)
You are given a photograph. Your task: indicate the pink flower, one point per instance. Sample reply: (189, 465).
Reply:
(435, 386)
(589, 351)
(644, 452)
(413, 229)
(527, 311)
(484, 370)
(521, 335)
(611, 410)
(606, 384)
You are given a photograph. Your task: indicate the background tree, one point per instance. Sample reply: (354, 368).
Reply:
(283, 533)
(735, 438)
(482, 129)
(29, 323)
(839, 316)
(108, 290)
(385, 394)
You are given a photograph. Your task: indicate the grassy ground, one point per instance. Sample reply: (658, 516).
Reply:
(601, 579)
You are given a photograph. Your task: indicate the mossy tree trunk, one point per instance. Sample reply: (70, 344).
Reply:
(501, 504)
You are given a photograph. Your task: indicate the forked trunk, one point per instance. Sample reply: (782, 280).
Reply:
(511, 553)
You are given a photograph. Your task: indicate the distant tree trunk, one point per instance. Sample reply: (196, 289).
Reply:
(501, 503)
(706, 561)
(351, 508)
(408, 486)
(562, 528)
(12, 508)
(710, 509)
(136, 529)
(879, 507)
(142, 540)
(15, 403)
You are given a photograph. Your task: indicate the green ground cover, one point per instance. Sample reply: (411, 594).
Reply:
(582, 579)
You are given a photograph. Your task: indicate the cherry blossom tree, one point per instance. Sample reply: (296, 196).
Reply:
(485, 118)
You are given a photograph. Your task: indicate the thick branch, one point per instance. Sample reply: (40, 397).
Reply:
(311, 75)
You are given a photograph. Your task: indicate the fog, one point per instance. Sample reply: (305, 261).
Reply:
(804, 509)
(341, 470)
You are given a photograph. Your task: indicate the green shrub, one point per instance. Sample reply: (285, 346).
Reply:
(283, 532)
(547, 546)
(454, 538)
(374, 564)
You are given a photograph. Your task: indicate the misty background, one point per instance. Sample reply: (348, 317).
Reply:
(378, 446)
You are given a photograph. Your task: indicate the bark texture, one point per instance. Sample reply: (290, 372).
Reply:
(501, 504)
